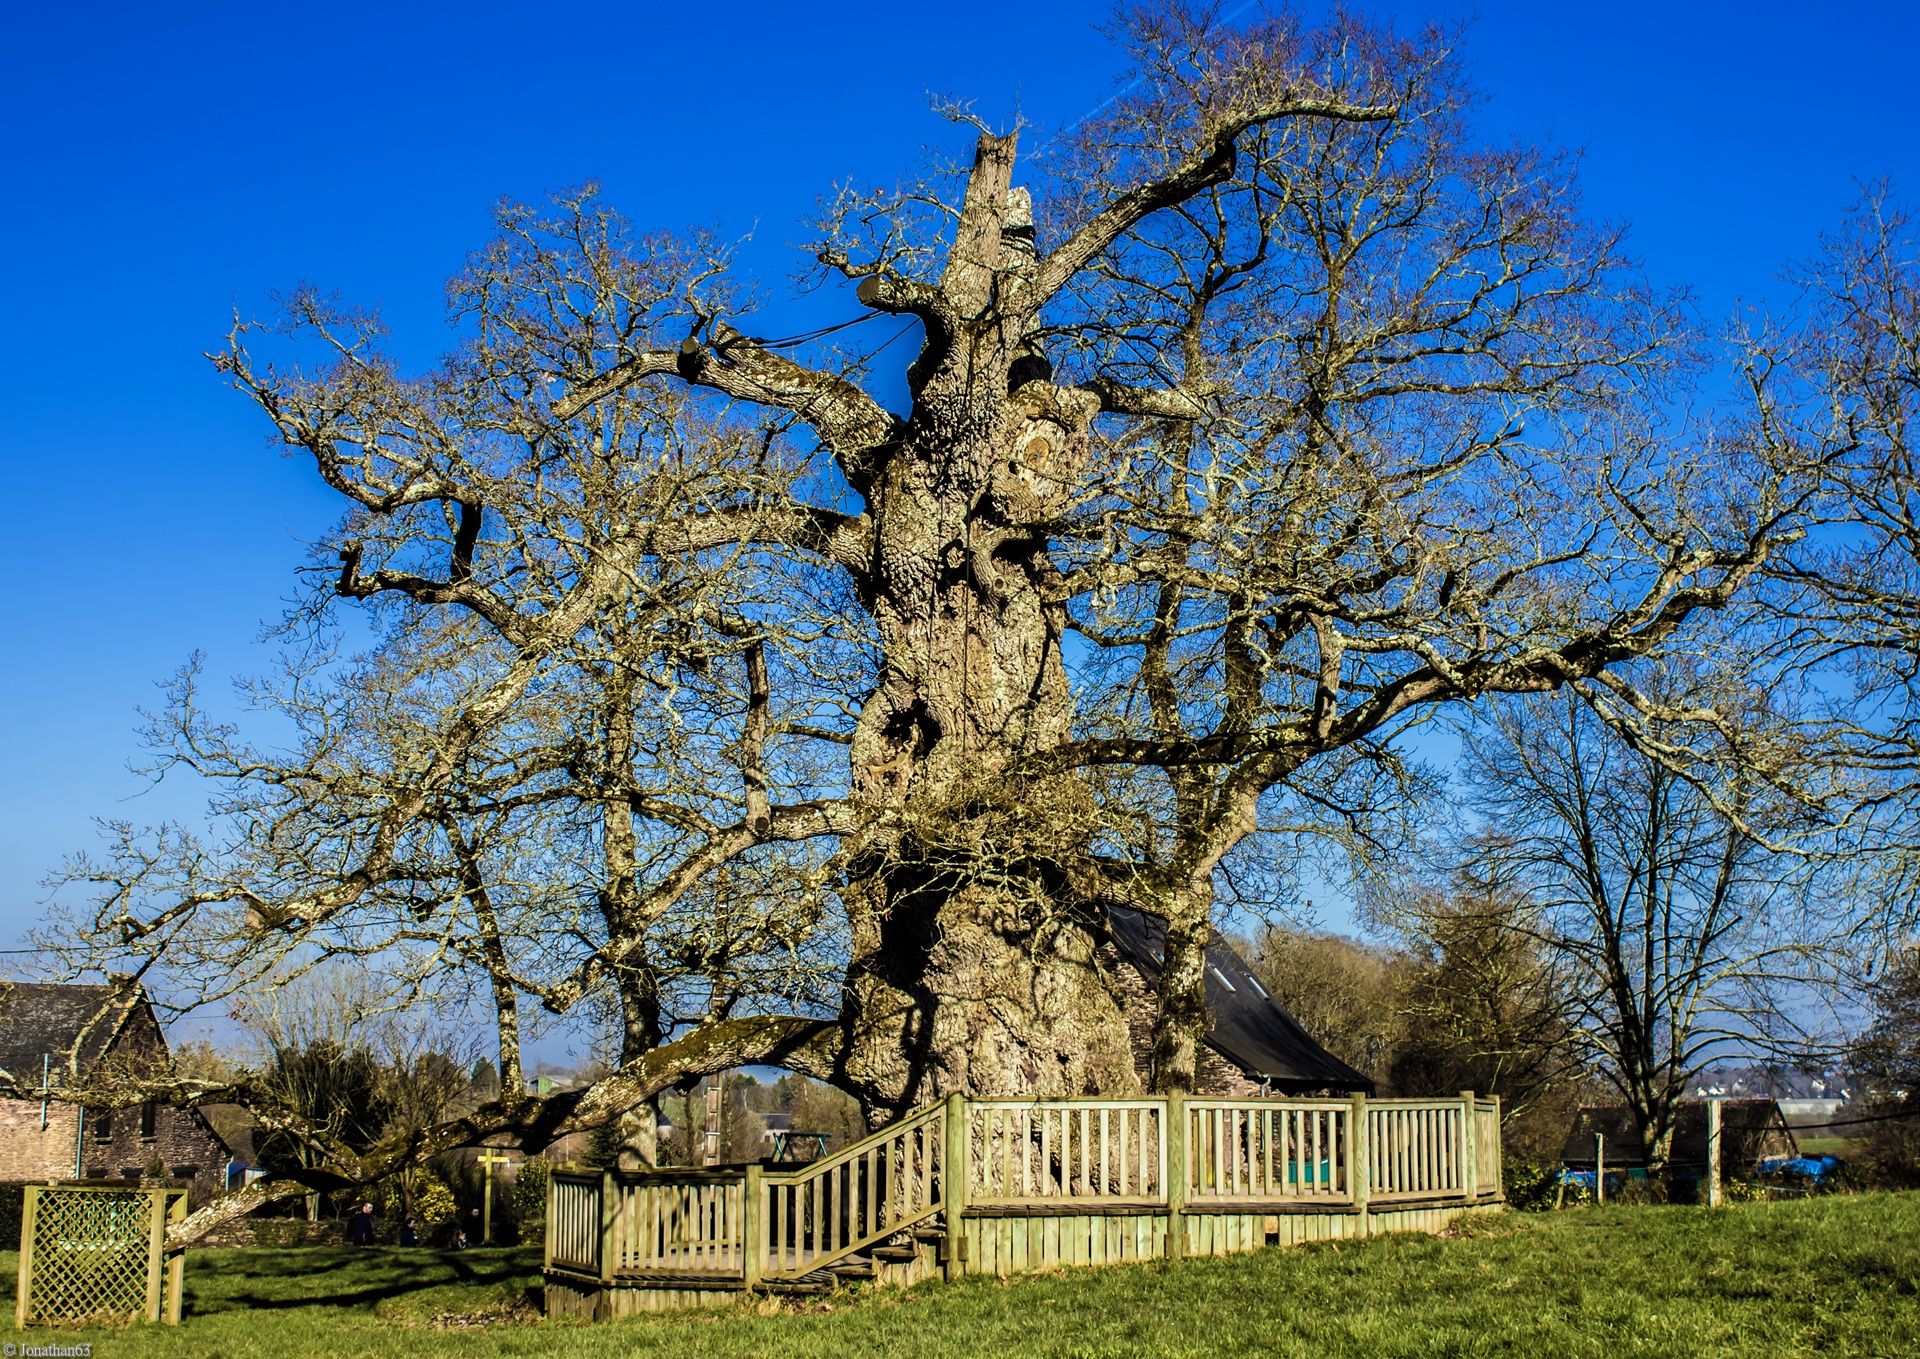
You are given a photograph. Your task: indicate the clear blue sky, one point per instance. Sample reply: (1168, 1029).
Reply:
(164, 163)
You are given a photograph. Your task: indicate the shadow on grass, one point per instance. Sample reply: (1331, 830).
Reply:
(343, 1279)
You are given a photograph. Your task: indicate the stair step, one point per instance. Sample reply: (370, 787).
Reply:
(896, 1255)
(814, 1278)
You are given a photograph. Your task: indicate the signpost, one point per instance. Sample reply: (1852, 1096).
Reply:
(488, 1160)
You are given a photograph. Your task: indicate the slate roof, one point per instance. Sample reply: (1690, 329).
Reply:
(72, 1022)
(1749, 1130)
(1245, 1024)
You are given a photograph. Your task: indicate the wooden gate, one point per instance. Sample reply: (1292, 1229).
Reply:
(96, 1254)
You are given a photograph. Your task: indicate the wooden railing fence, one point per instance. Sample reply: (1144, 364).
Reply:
(1047, 1151)
(1169, 1156)
(1242, 1150)
(680, 1222)
(1414, 1148)
(1486, 1144)
(881, 1185)
(573, 1221)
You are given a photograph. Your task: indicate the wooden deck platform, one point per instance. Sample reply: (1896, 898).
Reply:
(1003, 1187)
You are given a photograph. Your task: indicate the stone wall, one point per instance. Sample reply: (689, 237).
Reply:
(279, 1232)
(1214, 1075)
(139, 1136)
(30, 1152)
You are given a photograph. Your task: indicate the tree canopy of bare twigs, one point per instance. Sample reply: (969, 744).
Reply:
(1839, 387)
(1267, 413)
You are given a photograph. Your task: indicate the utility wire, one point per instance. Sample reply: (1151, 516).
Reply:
(1048, 147)
(807, 337)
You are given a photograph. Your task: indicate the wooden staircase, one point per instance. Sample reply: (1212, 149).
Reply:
(1006, 1186)
(903, 1259)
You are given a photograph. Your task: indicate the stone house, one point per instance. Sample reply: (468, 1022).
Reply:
(1253, 1046)
(52, 1034)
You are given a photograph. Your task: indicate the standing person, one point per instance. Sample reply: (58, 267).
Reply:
(360, 1225)
(409, 1233)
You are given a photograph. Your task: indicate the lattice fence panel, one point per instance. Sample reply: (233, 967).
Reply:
(90, 1255)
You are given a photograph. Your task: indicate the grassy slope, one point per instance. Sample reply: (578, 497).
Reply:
(1846, 1148)
(1831, 1277)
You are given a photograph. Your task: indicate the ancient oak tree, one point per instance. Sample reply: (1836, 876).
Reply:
(784, 700)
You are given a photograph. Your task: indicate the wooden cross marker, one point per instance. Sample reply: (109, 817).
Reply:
(488, 1160)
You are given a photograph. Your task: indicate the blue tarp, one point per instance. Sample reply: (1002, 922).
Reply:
(1584, 1179)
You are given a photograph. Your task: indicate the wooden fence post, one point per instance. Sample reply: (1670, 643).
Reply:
(1173, 1181)
(1499, 1152)
(609, 1257)
(1359, 1166)
(177, 1262)
(548, 1223)
(954, 1170)
(754, 1237)
(1599, 1167)
(1713, 1153)
(1469, 1146)
(156, 1250)
(29, 1211)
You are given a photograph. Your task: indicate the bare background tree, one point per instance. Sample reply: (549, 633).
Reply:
(1488, 1007)
(1885, 1062)
(1683, 900)
(1457, 992)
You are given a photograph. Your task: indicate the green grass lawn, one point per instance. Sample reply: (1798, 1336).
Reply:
(1833, 1276)
(1843, 1147)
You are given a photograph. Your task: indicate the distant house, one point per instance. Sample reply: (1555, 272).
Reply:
(1809, 1100)
(1253, 1046)
(52, 1034)
(1751, 1130)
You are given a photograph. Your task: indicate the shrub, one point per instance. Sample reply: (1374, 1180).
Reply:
(1530, 1185)
(530, 1192)
(433, 1201)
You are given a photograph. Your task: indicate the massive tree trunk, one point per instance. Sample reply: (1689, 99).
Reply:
(973, 961)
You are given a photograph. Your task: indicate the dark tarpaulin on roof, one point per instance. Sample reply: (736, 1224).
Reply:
(1245, 1025)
